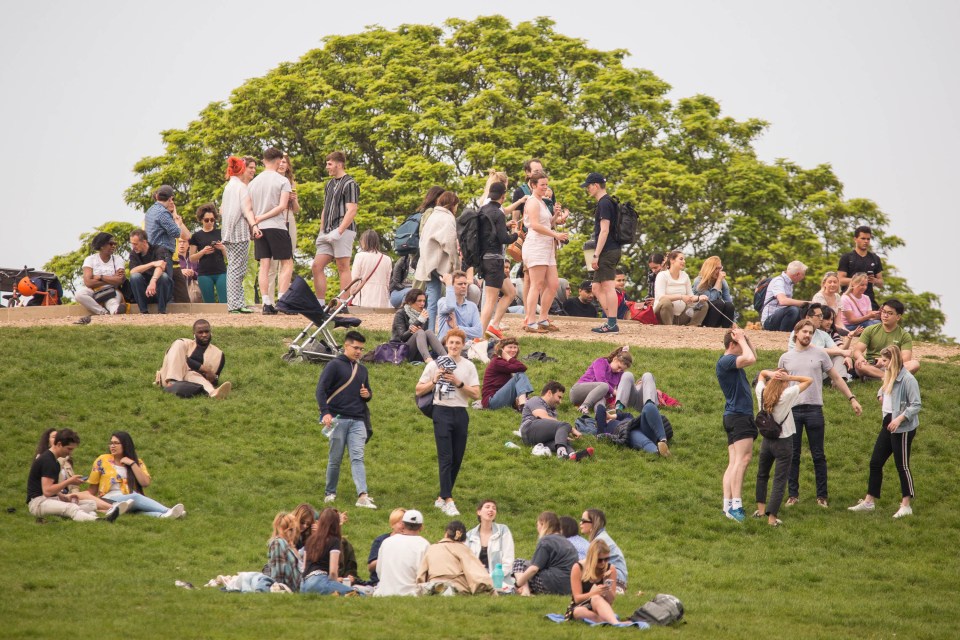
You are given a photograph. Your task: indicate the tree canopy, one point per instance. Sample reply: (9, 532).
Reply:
(423, 105)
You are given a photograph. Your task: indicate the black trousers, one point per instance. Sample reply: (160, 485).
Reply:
(887, 444)
(450, 432)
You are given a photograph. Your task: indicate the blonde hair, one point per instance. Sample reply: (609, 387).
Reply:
(856, 279)
(772, 391)
(592, 570)
(285, 527)
(396, 515)
(709, 272)
(892, 353)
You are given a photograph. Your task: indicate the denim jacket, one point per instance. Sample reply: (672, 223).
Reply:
(500, 549)
(905, 400)
(712, 294)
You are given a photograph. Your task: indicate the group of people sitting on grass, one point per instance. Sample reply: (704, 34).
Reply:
(116, 484)
(310, 553)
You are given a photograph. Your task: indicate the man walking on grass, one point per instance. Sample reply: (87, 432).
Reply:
(269, 195)
(606, 255)
(737, 417)
(342, 393)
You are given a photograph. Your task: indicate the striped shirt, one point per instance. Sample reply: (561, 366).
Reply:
(338, 193)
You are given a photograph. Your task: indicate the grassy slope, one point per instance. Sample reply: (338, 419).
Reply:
(236, 463)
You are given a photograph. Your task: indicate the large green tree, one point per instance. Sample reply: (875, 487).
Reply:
(423, 105)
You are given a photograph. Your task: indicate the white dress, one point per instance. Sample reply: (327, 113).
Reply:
(539, 249)
(375, 294)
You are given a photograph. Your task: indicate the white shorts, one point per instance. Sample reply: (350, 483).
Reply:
(341, 248)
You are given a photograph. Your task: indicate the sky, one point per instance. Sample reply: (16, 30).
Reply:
(866, 86)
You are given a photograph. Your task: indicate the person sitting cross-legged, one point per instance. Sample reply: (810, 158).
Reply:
(191, 367)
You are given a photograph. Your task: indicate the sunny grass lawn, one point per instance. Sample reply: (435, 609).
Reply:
(234, 464)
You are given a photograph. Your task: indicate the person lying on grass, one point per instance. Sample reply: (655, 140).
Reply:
(592, 586)
(646, 434)
(192, 367)
(121, 477)
(539, 424)
(449, 564)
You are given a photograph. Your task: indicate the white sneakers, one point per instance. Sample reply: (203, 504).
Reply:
(449, 509)
(904, 511)
(439, 502)
(541, 450)
(366, 502)
(862, 505)
(176, 511)
(330, 497)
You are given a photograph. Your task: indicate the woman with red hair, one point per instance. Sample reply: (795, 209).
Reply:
(236, 212)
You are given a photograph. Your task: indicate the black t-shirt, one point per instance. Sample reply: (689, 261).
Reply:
(578, 309)
(213, 264)
(555, 557)
(375, 555)
(45, 466)
(323, 562)
(153, 254)
(606, 210)
(852, 263)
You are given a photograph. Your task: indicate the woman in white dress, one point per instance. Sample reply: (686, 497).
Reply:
(371, 263)
(540, 255)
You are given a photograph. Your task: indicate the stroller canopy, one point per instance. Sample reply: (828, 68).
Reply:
(299, 298)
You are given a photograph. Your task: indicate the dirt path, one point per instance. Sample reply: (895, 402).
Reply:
(570, 329)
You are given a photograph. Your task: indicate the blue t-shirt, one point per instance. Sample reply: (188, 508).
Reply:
(733, 383)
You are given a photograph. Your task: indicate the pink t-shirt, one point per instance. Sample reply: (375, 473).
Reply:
(855, 308)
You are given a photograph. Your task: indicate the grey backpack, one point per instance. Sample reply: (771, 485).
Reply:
(664, 609)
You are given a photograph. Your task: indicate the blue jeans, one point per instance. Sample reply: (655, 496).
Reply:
(650, 431)
(865, 324)
(433, 291)
(783, 319)
(141, 503)
(350, 434)
(323, 584)
(396, 297)
(518, 384)
(139, 283)
(809, 417)
(213, 287)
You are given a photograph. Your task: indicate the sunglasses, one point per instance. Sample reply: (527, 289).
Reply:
(583, 521)
(606, 559)
(209, 220)
(112, 243)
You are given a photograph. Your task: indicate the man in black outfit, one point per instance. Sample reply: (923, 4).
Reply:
(606, 255)
(148, 277)
(494, 234)
(583, 306)
(862, 260)
(342, 393)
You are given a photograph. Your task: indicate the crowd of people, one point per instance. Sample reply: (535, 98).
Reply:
(442, 309)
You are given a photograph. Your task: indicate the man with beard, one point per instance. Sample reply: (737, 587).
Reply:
(813, 362)
(191, 367)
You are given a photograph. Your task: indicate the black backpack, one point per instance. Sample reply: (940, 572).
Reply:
(406, 241)
(627, 223)
(767, 426)
(468, 234)
(664, 609)
(760, 293)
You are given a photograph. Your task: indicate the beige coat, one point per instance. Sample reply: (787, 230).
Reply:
(439, 250)
(453, 562)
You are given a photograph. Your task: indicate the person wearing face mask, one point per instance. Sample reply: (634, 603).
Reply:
(191, 367)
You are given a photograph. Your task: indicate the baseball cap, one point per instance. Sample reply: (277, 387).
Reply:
(413, 517)
(164, 193)
(497, 189)
(594, 178)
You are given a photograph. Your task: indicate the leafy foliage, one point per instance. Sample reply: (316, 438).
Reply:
(68, 266)
(424, 105)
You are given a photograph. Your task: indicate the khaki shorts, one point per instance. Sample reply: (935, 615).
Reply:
(341, 248)
(607, 266)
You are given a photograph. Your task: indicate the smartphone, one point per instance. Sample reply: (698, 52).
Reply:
(84, 478)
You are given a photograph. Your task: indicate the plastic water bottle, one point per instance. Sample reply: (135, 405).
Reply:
(329, 429)
(510, 445)
(497, 576)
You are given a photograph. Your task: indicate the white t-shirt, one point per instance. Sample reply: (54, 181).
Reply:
(782, 413)
(465, 372)
(101, 268)
(265, 192)
(666, 285)
(234, 227)
(398, 564)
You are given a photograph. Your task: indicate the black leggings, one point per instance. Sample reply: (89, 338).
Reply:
(897, 444)
(450, 432)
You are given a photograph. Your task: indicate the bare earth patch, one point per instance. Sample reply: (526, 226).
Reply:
(632, 333)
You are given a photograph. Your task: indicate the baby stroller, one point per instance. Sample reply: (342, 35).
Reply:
(316, 342)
